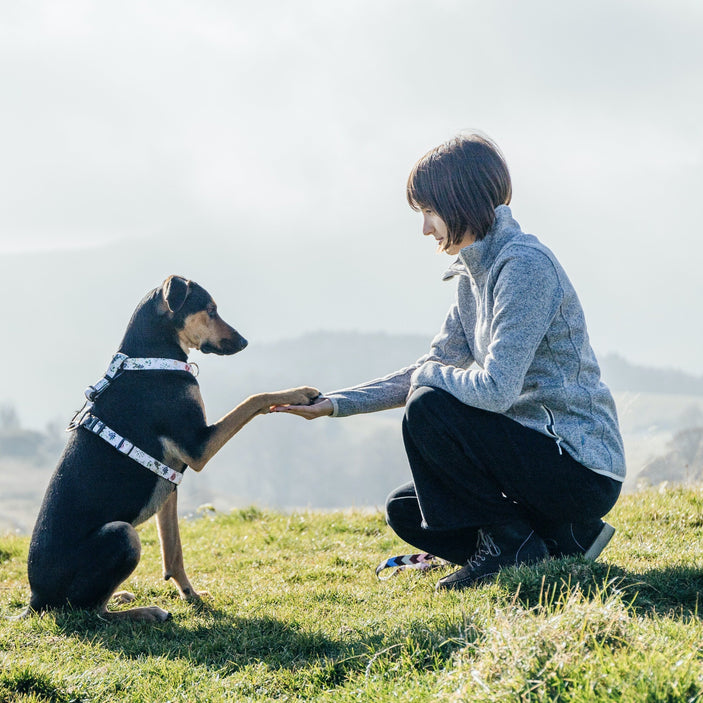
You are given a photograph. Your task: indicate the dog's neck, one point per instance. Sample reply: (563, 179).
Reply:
(151, 335)
(141, 347)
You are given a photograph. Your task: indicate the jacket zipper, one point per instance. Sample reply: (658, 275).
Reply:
(551, 430)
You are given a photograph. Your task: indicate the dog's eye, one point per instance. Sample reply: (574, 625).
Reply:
(212, 313)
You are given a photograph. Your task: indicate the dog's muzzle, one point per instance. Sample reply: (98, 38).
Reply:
(226, 346)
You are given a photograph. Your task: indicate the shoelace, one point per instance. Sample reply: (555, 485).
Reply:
(485, 547)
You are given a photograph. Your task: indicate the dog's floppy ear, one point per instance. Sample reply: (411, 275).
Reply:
(174, 291)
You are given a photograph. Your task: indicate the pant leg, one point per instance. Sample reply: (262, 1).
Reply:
(405, 519)
(474, 468)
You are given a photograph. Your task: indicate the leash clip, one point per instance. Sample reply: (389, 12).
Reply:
(115, 370)
(80, 415)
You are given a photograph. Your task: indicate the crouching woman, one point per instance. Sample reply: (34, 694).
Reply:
(511, 436)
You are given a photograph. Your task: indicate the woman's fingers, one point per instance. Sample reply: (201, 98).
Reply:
(320, 408)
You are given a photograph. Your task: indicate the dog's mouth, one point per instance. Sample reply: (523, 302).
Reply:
(225, 347)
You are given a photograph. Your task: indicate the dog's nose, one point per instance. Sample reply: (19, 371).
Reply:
(232, 345)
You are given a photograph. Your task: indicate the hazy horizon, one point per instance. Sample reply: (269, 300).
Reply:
(263, 151)
(281, 461)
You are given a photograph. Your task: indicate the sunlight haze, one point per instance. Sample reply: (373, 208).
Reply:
(263, 150)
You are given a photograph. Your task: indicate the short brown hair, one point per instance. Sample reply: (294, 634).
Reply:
(463, 180)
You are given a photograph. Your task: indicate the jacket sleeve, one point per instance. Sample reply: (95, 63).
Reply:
(527, 294)
(448, 347)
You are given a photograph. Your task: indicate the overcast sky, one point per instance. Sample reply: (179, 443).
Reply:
(292, 126)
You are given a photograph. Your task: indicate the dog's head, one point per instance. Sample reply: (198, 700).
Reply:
(196, 320)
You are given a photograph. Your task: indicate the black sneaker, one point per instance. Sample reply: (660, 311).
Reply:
(496, 548)
(586, 539)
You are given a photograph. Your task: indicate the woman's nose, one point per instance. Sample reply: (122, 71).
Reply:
(427, 227)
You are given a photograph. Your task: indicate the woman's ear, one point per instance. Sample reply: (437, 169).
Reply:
(175, 291)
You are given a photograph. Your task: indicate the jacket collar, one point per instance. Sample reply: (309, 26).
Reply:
(476, 259)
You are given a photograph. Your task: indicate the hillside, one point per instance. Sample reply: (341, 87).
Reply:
(295, 613)
(621, 375)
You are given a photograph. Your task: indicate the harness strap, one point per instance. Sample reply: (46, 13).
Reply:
(85, 418)
(93, 424)
(156, 364)
(121, 362)
(422, 561)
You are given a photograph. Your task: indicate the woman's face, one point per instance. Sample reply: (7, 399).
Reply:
(433, 224)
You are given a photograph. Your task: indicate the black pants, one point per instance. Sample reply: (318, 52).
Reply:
(472, 468)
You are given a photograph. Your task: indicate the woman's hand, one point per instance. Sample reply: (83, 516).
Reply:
(320, 407)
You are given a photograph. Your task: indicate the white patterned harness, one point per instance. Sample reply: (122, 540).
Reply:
(86, 419)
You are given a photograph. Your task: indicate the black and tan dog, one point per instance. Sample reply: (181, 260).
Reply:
(84, 544)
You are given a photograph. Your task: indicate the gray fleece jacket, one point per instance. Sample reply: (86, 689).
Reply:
(514, 342)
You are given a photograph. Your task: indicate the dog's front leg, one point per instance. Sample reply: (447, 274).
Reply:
(171, 550)
(224, 429)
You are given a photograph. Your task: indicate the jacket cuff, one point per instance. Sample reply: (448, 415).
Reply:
(335, 405)
(424, 375)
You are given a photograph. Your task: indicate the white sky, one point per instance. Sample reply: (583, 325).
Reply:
(273, 121)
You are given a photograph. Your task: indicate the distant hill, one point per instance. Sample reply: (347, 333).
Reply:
(282, 461)
(621, 375)
(682, 461)
(72, 307)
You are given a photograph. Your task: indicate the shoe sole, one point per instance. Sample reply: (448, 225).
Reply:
(461, 584)
(600, 542)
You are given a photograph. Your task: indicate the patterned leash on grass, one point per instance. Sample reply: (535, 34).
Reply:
(423, 562)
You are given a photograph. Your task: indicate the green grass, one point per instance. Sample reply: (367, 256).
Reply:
(296, 613)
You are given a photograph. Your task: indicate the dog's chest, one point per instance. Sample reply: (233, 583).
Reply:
(162, 490)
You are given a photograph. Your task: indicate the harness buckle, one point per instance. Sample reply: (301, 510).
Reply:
(89, 422)
(115, 370)
(79, 416)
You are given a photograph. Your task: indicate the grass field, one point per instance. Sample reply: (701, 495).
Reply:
(296, 613)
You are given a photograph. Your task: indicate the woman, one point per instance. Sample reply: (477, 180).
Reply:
(512, 439)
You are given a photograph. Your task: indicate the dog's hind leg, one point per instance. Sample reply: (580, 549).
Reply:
(106, 559)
